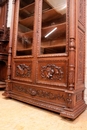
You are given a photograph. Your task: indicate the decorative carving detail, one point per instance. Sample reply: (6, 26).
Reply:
(51, 72)
(72, 44)
(4, 35)
(39, 22)
(81, 56)
(41, 93)
(23, 70)
(81, 11)
(69, 100)
(9, 62)
(79, 97)
(7, 34)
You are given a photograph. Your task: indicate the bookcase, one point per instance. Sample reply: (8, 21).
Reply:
(46, 60)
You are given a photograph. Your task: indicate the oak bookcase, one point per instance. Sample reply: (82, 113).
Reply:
(46, 59)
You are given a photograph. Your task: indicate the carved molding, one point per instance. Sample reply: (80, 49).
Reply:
(23, 71)
(51, 71)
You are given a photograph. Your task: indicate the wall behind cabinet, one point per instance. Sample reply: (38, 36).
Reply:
(9, 23)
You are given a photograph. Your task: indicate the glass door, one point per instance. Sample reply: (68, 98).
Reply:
(53, 31)
(25, 28)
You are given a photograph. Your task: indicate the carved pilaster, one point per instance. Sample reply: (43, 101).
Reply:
(10, 43)
(9, 63)
(72, 25)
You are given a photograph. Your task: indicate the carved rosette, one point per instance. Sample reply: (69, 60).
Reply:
(23, 71)
(51, 71)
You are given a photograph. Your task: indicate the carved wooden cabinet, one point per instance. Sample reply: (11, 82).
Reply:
(4, 38)
(46, 55)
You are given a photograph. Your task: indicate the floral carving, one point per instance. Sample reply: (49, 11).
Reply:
(41, 93)
(51, 72)
(23, 70)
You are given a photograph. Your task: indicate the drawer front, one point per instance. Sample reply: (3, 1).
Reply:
(50, 96)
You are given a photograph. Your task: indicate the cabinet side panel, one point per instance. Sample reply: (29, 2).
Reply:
(80, 46)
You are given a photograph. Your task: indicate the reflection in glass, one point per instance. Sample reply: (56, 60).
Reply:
(25, 28)
(53, 37)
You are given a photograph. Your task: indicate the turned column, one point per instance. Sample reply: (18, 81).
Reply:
(72, 40)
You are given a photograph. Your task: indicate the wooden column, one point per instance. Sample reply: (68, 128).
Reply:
(72, 40)
(10, 53)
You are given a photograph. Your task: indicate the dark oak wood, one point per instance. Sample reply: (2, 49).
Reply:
(46, 59)
(4, 38)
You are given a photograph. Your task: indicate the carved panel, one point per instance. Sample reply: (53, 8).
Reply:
(80, 67)
(22, 70)
(79, 97)
(52, 72)
(81, 11)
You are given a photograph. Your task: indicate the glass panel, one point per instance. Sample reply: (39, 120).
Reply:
(53, 37)
(25, 28)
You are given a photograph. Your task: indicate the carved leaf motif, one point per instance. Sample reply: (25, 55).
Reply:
(23, 70)
(41, 93)
(51, 72)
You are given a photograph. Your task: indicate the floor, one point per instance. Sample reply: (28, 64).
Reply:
(15, 115)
